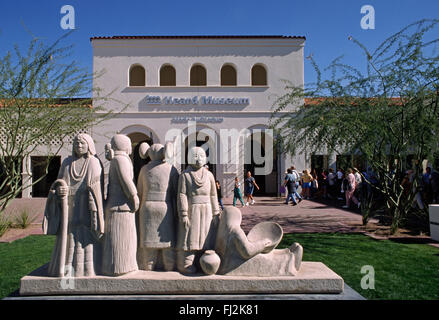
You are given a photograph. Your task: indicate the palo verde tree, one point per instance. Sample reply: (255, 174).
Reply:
(387, 112)
(41, 108)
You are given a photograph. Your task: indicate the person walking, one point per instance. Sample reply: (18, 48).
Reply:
(219, 194)
(237, 193)
(250, 184)
(290, 184)
(296, 179)
(350, 189)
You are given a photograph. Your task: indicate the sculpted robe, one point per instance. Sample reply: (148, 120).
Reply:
(198, 200)
(85, 219)
(120, 244)
(157, 188)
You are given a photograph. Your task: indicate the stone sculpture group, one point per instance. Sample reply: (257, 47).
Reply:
(180, 224)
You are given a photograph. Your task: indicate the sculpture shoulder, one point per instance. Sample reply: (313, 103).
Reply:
(121, 161)
(210, 175)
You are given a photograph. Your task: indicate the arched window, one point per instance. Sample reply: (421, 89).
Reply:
(259, 75)
(228, 76)
(167, 76)
(198, 76)
(137, 76)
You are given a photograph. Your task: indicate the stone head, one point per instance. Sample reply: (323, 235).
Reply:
(197, 157)
(83, 144)
(121, 142)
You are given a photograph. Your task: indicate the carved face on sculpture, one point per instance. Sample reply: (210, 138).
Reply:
(197, 157)
(83, 144)
(80, 146)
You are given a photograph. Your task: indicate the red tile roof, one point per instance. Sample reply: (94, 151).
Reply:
(201, 37)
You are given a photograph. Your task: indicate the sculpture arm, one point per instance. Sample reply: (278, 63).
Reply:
(182, 200)
(246, 248)
(124, 173)
(213, 196)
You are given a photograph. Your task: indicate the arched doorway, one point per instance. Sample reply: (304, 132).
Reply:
(136, 139)
(255, 154)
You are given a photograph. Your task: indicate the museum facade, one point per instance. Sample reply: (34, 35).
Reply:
(216, 92)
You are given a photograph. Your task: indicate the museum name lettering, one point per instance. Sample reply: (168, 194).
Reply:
(203, 100)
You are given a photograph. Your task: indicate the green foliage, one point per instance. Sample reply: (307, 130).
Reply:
(402, 271)
(23, 220)
(5, 224)
(387, 113)
(42, 104)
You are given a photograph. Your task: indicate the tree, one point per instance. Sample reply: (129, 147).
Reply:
(41, 108)
(388, 113)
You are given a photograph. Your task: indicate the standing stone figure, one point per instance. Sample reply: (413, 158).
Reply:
(157, 188)
(120, 244)
(77, 249)
(198, 211)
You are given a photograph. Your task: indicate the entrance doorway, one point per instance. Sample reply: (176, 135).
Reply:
(136, 139)
(254, 147)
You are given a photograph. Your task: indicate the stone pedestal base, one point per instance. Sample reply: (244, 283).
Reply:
(313, 278)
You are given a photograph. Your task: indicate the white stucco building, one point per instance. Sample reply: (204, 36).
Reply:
(226, 84)
(221, 82)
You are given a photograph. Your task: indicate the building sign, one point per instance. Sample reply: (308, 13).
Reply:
(203, 100)
(197, 119)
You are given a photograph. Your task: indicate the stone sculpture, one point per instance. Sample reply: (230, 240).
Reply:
(120, 240)
(198, 211)
(242, 257)
(74, 212)
(157, 187)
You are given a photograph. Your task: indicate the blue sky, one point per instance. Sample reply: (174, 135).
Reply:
(326, 24)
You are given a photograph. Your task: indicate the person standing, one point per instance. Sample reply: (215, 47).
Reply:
(332, 183)
(359, 182)
(350, 189)
(306, 183)
(219, 194)
(237, 193)
(339, 181)
(250, 184)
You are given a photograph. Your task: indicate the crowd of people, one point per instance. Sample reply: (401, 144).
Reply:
(340, 185)
(350, 186)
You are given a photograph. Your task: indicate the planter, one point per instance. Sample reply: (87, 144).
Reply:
(433, 210)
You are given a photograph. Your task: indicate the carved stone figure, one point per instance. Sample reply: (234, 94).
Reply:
(198, 211)
(120, 241)
(157, 187)
(242, 257)
(74, 212)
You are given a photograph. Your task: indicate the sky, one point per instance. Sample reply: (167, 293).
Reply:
(326, 24)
